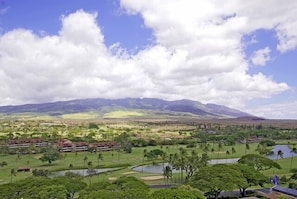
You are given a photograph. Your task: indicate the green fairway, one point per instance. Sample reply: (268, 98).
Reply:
(122, 160)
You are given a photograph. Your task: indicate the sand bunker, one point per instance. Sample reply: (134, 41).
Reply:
(152, 178)
(129, 172)
(38, 156)
(112, 178)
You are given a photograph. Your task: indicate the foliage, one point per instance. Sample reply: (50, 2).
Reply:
(3, 163)
(72, 183)
(258, 162)
(40, 172)
(174, 193)
(267, 143)
(251, 176)
(50, 154)
(217, 178)
(93, 126)
(154, 154)
(52, 191)
(188, 162)
(125, 140)
(125, 187)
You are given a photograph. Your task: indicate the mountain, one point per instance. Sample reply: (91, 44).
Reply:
(147, 105)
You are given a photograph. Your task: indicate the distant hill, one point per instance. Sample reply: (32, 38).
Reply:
(148, 106)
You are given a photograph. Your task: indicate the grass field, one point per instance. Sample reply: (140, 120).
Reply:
(123, 114)
(121, 160)
(81, 116)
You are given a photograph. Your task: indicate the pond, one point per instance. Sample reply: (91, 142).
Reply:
(285, 149)
(158, 169)
(82, 172)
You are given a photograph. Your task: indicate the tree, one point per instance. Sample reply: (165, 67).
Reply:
(293, 151)
(127, 187)
(52, 191)
(264, 150)
(252, 177)
(50, 154)
(167, 173)
(73, 183)
(216, 178)
(85, 161)
(279, 154)
(3, 163)
(247, 147)
(259, 162)
(174, 193)
(40, 172)
(100, 157)
(233, 150)
(12, 173)
(125, 140)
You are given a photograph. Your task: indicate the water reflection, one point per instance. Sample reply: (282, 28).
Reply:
(158, 169)
(285, 149)
(82, 172)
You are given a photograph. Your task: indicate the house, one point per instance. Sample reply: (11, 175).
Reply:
(26, 143)
(106, 146)
(80, 146)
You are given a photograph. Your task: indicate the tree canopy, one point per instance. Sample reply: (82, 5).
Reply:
(217, 178)
(259, 162)
(50, 154)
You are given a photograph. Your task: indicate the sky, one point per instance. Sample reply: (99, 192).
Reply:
(237, 53)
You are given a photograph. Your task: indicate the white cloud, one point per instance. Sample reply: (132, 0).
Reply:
(261, 57)
(197, 54)
(276, 111)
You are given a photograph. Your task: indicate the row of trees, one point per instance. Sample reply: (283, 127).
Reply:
(71, 186)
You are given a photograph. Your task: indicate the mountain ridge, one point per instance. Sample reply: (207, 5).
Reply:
(178, 107)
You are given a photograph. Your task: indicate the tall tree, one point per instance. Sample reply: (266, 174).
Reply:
(247, 147)
(259, 162)
(99, 158)
(50, 154)
(167, 173)
(12, 173)
(293, 151)
(251, 176)
(217, 178)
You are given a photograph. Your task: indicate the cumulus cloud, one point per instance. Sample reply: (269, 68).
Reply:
(197, 54)
(260, 57)
(276, 111)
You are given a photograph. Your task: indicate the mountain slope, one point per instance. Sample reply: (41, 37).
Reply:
(158, 106)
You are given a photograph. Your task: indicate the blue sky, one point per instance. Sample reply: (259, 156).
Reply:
(235, 54)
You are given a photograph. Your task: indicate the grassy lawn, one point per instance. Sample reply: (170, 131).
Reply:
(121, 160)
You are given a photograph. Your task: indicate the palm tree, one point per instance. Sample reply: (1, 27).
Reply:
(293, 151)
(100, 157)
(144, 156)
(233, 150)
(167, 173)
(90, 165)
(247, 147)
(163, 156)
(85, 160)
(182, 161)
(212, 150)
(70, 167)
(12, 173)
(279, 154)
(227, 153)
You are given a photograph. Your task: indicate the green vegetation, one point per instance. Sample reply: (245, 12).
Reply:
(123, 114)
(185, 146)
